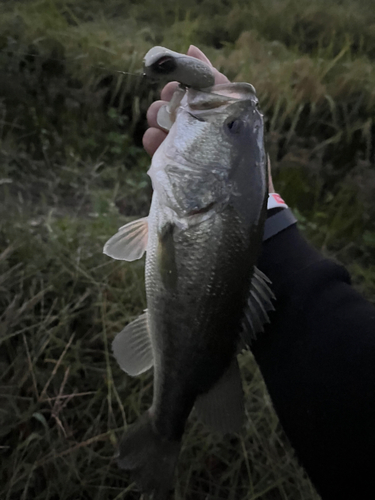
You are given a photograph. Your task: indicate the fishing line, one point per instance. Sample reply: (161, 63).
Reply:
(95, 66)
(132, 74)
(140, 74)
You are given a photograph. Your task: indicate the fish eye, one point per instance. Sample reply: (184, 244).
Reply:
(165, 64)
(233, 125)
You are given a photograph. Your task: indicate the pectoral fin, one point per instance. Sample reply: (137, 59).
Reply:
(222, 407)
(258, 305)
(130, 242)
(132, 347)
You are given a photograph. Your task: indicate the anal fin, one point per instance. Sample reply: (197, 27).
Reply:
(222, 407)
(132, 347)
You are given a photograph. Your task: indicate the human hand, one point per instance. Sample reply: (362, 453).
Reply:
(155, 135)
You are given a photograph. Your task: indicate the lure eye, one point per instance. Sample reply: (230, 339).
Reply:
(165, 65)
(233, 126)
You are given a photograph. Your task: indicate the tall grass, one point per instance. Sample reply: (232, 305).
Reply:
(72, 170)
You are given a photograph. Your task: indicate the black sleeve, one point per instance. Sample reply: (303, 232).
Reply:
(318, 361)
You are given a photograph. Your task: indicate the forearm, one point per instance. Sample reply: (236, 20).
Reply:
(318, 361)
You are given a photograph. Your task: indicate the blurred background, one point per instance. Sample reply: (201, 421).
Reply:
(72, 170)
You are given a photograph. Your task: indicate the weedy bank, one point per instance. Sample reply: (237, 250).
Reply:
(72, 171)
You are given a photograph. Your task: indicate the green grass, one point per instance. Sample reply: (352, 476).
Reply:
(72, 171)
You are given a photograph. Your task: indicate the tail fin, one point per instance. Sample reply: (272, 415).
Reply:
(151, 458)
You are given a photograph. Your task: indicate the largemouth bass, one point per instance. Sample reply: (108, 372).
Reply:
(205, 298)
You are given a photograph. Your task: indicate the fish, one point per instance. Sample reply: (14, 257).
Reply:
(206, 299)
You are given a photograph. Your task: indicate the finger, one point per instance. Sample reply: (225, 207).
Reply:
(168, 90)
(219, 77)
(152, 139)
(193, 51)
(152, 113)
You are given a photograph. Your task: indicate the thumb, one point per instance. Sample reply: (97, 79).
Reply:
(193, 51)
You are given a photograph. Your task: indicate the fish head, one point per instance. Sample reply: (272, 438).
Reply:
(214, 154)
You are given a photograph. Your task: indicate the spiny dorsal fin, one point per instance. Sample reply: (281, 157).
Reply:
(132, 347)
(258, 305)
(130, 242)
(222, 407)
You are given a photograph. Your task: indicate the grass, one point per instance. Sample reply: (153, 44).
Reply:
(72, 170)
(63, 395)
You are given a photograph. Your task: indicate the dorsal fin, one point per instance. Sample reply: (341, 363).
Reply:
(258, 305)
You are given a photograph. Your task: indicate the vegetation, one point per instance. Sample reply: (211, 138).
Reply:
(72, 170)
